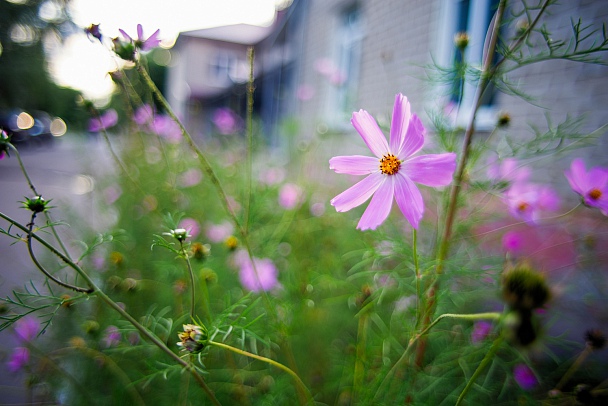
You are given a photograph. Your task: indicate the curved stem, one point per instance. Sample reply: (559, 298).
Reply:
(42, 269)
(413, 340)
(269, 361)
(480, 368)
(112, 304)
(192, 286)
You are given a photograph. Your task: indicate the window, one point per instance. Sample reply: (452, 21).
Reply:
(472, 17)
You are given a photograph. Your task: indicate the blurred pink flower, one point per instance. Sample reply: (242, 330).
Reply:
(190, 225)
(317, 209)
(393, 172)
(111, 337)
(481, 330)
(337, 78)
(104, 121)
(272, 176)
(219, 232)
(168, 129)
(512, 242)
(527, 201)
(19, 358)
(112, 193)
(144, 44)
(524, 377)
(226, 121)
(508, 170)
(263, 277)
(27, 328)
(325, 66)
(305, 92)
(592, 185)
(191, 177)
(290, 196)
(144, 116)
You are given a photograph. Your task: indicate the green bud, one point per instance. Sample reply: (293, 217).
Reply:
(524, 288)
(36, 204)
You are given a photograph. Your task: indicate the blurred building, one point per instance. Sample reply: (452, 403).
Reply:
(324, 59)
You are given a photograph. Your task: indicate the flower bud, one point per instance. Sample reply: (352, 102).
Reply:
(90, 327)
(504, 119)
(4, 141)
(208, 275)
(93, 31)
(125, 50)
(461, 40)
(36, 204)
(193, 338)
(231, 243)
(200, 251)
(180, 234)
(524, 288)
(128, 284)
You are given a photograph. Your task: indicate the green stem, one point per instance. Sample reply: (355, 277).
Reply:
(417, 272)
(360, 360)
(574, 367)
(192, 285)
(272, 362)
(480, 368)
(250, 90)
(413, 340)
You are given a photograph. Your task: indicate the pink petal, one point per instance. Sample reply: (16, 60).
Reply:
(358, 193)
(414, 139)
(431, 170)
(151, 42)
(379, 208)
(140, 32)
(354, 165)
(577, 176)
(400, 122)
(125, 35)
(599, 177)
(409, 199)
(367, 127)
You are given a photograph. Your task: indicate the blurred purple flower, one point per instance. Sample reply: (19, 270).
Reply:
(140, 42)
(191, 226)
(226, 121)
(527, 201)
(263, 277)
(144, 116)
(219, 232)
(272, 176)
(112, 193)
(592, 185)
(305, 92)
(27, 328)
(168, 129)
(111, 337)
(191, 177)
(481, 330)
(512, 241)
(93, 31)
(524, 377)
(392, 173)
(508, 170)
(290, 196)
(104, 121)
(19, 358)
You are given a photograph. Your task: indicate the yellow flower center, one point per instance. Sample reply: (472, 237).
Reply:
(595, 194)
(522, 206)
(390, 164)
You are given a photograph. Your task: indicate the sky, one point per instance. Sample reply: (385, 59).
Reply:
(84, 64)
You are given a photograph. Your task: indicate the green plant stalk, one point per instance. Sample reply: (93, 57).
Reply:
(108, 301)
(250, 90)
(574, 367)
(417, 274)
(192, 283)
(459, 178)
(360, 357)
(301, 385)
(482, 365)
(413, 340)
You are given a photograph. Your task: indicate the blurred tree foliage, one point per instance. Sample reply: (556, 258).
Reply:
(25, 26)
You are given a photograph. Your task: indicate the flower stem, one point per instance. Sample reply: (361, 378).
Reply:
(272, 362)
(192, 285)
(417, 272)
(576, 365)
(360, 360)
(480, 368)
(250, 90)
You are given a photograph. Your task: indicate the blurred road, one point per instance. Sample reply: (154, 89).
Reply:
(64, 171)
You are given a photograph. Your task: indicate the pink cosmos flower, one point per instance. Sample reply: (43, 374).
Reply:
(104, 121)
(27, 328)
(140, 42)
(592, 185)
(111, 337)
(524, 377)
(290, 196)
(527, 201)
(219, 232)
(144, 116)
(226, 121)
(165, 127)
(19, 358)
(263, 277)
(394, 170)
(508, 170)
